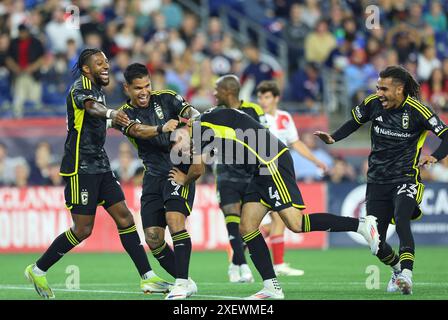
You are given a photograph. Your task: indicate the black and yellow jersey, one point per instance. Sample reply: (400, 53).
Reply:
(163, 106)
(397, 137)
(235, 138)
(238, 173)
(86, 135)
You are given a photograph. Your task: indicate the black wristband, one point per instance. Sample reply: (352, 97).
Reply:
(159, 129)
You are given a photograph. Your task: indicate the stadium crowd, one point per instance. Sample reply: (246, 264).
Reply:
(328, 43)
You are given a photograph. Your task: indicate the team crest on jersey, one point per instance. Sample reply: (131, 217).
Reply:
(405, 120)
(84, 197)
(433, 121)
(159, 112)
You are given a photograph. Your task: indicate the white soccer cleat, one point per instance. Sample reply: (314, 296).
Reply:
(368, 229)
(284, 269)
(404, 283)
(271, 290)
(192, 287)
(234, 273)
(155, 284)
(392, 285)
(179, 291)
(246, 274)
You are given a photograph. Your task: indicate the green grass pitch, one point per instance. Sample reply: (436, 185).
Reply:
(329, 274)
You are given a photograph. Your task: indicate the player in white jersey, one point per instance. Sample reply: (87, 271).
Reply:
(282, 126)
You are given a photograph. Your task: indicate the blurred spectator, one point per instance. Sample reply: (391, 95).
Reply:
(125, 166)
(260, 67)
(59, 32)
(311, 13)
(54, 178)
(176, 45)
(306, 170)
(427, 62)
(200, 94)
(178, 76)
(307, 88)
(341, 172)
(435, 91)
(404, 40)
(358, 73)
(436, 17)
(7, 165)
(319, 43)
(40, 164)
(439, 170)
(362, 176)
(189, 28)
(22, 173)
(25, 58)
(221, 64)
(5, 89)
(415, 16)
(125, 37)
(173, 14)
(158, 80)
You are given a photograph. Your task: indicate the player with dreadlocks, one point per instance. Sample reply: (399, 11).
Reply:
(399, 127)
(88, 176)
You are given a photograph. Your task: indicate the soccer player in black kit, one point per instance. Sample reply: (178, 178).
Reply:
(235, 137)
(399, 127)
(167, 197)
(89, 179)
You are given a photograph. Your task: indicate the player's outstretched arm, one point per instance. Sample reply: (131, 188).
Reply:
(440, 153)
(302, 149)
(142, 131)
(344, 131)
(325, 137)
(98, 110)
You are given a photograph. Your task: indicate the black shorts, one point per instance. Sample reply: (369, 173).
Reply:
(84, 192)
(383, 198)
(275, 186)
(229, 192)
(159, 195)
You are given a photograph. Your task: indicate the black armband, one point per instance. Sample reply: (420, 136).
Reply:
(345, 130)
(442, 151)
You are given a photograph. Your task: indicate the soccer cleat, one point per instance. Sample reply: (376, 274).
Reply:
(234, 273)
(40, 283)
(179, 291)
(285, 270)
(192, 287)
(267, 293)
(368, 229)
(392, 285)
(155, 285)
(404, 283)
(246, 274)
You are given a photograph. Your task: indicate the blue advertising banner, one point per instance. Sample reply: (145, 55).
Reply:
(348, 199)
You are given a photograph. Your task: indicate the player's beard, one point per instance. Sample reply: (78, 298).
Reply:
(99, 80)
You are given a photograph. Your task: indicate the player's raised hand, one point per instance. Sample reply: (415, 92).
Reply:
(177, 176)
(120, 118)
(427, 161)
(324, 136)
(323, 167)
(170, 126)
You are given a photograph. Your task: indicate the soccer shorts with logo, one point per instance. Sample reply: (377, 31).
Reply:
(275, 186)
(84, 192)
(383, 198)
(230, 192)
(159, 195)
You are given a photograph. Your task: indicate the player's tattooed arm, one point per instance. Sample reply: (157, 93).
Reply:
(99, 110)
(142, 131)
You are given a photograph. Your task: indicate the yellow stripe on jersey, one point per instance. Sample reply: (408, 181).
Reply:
(256, 107)
(370, 98)
(440, 133)
(420, 107)
(420, 143)
(355, 117)
(159, 92)
(78, 122)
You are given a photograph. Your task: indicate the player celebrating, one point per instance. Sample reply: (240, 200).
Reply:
(167, 197)
(282, 126)
(394, 189)
(220, 131)
(232, 180)
(89, 179)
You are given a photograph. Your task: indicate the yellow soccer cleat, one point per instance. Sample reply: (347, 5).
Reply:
(40, 283)
(155, 285)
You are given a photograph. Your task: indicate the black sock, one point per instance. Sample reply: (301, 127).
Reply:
(387, 255)
(407, 258)
(182, 252)
(328, 222)
(165, 256)
(404, 209)
(232, 224)
(131, 243)
(61, 245)
(259, 253)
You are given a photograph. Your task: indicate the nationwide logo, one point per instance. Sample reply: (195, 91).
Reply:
(390, 133)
